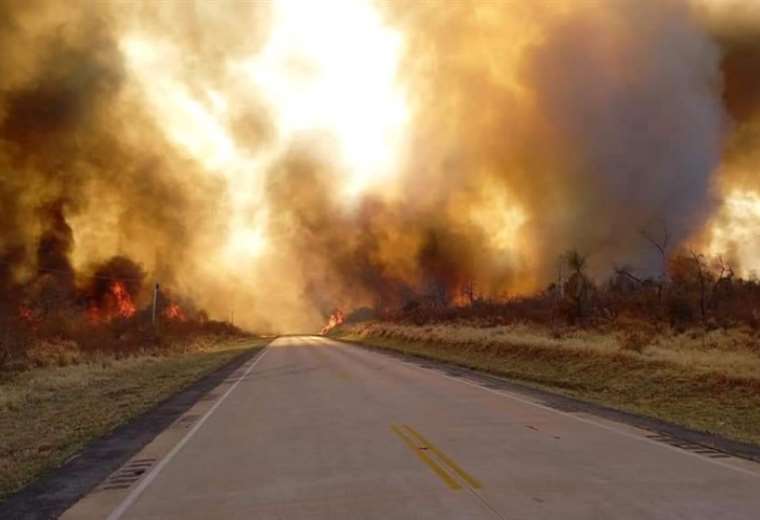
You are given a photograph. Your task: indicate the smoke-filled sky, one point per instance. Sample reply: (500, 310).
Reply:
(278, 160)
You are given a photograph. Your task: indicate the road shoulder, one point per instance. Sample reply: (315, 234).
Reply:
(657, 429)
(54, 493)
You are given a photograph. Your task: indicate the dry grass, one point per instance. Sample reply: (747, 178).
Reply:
(47, 414)
(732, 352)
(704, 380)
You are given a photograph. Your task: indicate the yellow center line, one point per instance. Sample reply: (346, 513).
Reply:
(424, 457)
(472, 481)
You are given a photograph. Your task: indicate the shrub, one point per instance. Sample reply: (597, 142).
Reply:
(679, 310)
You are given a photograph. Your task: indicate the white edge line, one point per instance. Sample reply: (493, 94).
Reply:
(145, 482)
(469, 382)
(611, 429)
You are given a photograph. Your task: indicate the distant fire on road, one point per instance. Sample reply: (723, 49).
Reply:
(336, 318)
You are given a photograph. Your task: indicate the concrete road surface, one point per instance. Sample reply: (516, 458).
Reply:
(315, 429)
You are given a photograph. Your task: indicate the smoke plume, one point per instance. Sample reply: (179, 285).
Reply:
(275, 164)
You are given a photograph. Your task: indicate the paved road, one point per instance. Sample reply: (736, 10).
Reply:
(314, 429)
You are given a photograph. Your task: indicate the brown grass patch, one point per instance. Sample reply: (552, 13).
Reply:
(49, 413)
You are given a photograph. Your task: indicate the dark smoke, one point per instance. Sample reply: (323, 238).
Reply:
(117, 268)
(55, 245)
(537, 127)
(737, 31)
(77, 146)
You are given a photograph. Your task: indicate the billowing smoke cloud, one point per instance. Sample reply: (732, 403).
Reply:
(150, 139)
(595, 120)
(559, 128)
(735, 26)
(85, 174)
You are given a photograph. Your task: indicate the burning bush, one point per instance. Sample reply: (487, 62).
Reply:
(695, 292)
(336, 318)
(175, 312)
(55, 321)
(113, 290)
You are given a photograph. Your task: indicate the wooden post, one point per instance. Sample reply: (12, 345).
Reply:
(155, 305)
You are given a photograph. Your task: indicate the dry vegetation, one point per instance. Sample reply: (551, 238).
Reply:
(731, 353)
(80, 355)
(708, 382)
(61, 342)
(49, 413)
(683, 346)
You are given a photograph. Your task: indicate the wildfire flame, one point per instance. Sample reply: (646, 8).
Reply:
(175, 312)
(117, 303)
(336, 318)
(125, 307)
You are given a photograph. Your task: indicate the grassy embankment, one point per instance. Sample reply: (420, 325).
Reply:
(47, 414)
(708, 381)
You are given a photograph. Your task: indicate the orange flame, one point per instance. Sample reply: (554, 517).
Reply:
(336, 318)
(175, 312)
(125, 307)
(118, 304)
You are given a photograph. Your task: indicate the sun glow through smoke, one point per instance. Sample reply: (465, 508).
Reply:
(332, 66)
(325, 71)
(199, 127)
(734, 231)
(327, 67)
